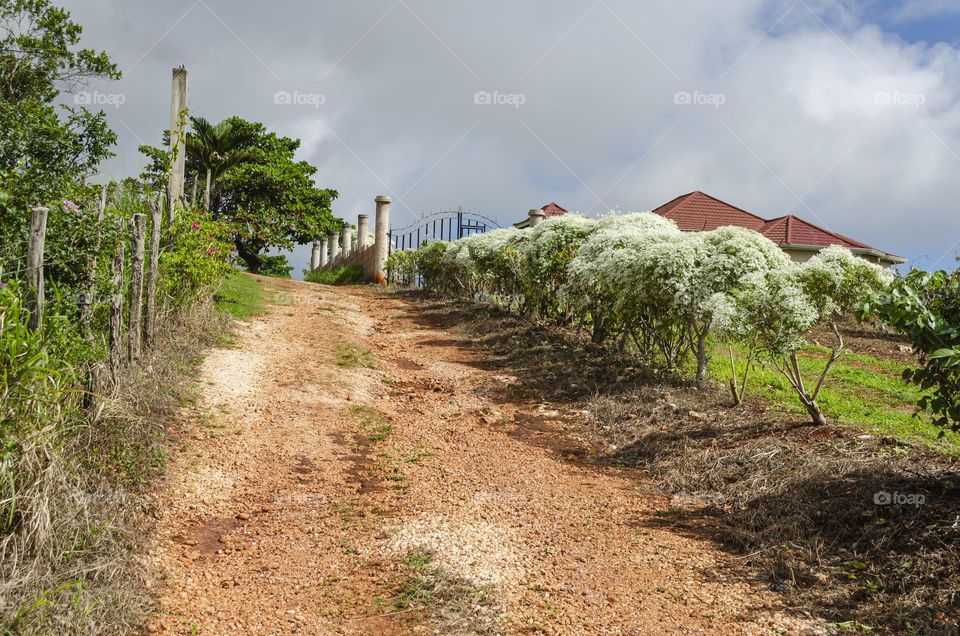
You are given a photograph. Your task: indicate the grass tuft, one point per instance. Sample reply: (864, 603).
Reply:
(351, 356)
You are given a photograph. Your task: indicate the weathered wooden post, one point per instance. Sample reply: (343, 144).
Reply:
(363, 229)
(149, 333)
(116, 311)
(334, 248)
(138, 227)
(380, 245)
(178, 124)
(536, 217)
(38, 237)
(315, 256)
(324, 252)
(347, 241)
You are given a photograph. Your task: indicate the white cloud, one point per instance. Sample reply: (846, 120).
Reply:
(804, 112)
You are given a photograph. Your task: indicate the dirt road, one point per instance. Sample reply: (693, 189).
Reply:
(354, 469)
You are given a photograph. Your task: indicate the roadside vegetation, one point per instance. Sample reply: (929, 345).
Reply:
(100, 338)
(802, 416)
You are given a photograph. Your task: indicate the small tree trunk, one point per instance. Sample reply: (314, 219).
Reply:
(816, 415)
(702, 360)
(38, 236)
(151, 319)
(206, 192)
(138, 226)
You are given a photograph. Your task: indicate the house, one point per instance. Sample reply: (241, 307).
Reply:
(800, 239)
(550, 209)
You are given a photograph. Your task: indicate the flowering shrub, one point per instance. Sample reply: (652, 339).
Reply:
(771, 312)
(552, 246)
(638, 280)
(197, 259)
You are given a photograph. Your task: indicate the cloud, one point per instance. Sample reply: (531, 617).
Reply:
(823, 114)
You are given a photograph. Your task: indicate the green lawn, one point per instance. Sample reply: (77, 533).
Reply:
(241, 296)
(861, 391)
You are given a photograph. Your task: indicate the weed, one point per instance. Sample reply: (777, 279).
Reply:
(351, 356)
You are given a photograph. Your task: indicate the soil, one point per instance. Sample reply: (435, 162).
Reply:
(297, 489)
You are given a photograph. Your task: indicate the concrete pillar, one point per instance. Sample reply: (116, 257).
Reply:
(324, 252)
(363, 228)
(334, 247)
(315, 256)
(347, 240)
(536, 216)
(178, 123)
(380, 244)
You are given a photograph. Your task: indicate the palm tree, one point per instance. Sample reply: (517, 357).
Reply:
(214, 149)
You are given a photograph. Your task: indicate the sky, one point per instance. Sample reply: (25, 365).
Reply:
(845, 113)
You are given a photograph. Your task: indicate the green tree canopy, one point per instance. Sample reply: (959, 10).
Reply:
(271, 199)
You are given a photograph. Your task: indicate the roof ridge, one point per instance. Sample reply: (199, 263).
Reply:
(730, 205)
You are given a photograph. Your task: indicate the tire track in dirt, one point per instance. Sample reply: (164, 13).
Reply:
(302, 486)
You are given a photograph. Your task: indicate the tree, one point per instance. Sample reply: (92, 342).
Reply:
(214, 149)
(772, 311)
(42, 152)
(272, 200)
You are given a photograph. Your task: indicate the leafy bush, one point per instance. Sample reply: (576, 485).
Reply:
(276, 266)
(926, 307)
(198, 259)
(338, 276)
(402, 267)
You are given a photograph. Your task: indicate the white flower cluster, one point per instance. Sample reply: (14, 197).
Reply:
(638, 278)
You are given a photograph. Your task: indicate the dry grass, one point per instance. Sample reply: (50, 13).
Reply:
(794, 503)
(69, 562)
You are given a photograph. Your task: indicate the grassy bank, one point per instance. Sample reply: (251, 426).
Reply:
(863, 391)
(76, 478)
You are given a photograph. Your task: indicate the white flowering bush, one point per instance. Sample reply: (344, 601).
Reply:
(598, 275)
(638, 280)
(770, 314)
(552, 245)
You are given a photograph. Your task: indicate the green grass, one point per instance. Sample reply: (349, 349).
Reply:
(241, 295)
(340, 276)
(861, 391)
(376, 428)
(351, 356)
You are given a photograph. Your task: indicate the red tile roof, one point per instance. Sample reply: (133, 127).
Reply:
(698, 212)
(552, 209)
(796, 231)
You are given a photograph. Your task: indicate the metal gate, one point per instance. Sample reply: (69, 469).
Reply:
(440, 226)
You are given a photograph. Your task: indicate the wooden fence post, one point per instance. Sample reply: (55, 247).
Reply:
(87, 300)
(151, 325)
(138, 226)
(116, 311)
(38, 236)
